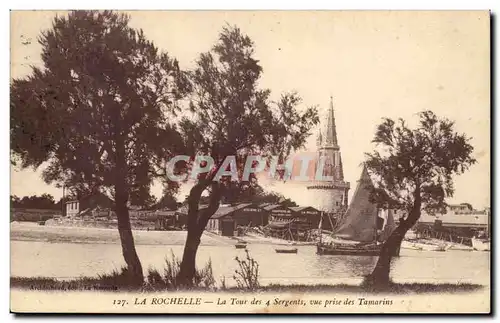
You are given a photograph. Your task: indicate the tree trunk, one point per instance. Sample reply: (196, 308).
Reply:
(197, 221)
(188, 265)
(380, 276)
(134, 268)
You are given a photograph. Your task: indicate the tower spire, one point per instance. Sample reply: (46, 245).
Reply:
(331, 131)
(332, 196)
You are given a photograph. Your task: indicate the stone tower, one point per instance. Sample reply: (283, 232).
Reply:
(330, 196)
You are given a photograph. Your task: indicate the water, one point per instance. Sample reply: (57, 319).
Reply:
(71, 260)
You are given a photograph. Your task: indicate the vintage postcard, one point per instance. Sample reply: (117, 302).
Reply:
(250, 162)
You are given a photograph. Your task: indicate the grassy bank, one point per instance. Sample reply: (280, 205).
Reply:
(114, 283)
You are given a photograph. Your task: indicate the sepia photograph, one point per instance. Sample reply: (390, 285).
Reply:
(250, 162)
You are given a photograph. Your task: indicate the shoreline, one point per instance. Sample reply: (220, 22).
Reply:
(32, 232)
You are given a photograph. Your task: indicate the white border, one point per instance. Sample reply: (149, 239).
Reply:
(494, 5)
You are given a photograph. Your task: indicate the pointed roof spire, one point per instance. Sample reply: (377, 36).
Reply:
(365, 176)
(331, 130)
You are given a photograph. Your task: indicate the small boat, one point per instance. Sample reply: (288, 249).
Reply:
(481, 244)
(432, 247)
(428, 246)
(342, 250)
(241, 245)
(294, 250)
(410, 246)
(460, 247)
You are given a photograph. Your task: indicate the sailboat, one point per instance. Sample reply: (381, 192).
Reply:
(359, 234)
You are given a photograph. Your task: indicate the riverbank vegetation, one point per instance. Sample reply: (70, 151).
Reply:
(114, 283)
(203, 278)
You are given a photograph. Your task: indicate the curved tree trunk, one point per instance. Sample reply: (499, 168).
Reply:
(197, 222)
(380, 276)
(134, 267)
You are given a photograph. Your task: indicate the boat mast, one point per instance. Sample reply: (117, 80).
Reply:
(320, 228)
(63, 204)
(488, 224)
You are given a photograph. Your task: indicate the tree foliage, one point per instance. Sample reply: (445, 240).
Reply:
(99, 107)
(426, 158)
(44, 201)
(252, 192)
(167, 201)
(234, 116)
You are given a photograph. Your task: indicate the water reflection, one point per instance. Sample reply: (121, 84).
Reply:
(343, 266)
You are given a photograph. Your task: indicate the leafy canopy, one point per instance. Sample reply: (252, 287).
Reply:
(231, 115)
(98, 110)
(417, 163)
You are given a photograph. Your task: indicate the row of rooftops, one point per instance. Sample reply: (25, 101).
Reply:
(225, 210)
(222, 211)
(472, 220)
(478, 219)
(458, 214)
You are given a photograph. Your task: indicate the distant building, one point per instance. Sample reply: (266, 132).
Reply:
(269, 206)
(72, 208)
(456, 227)
(478, 220)
(159, 219)
(462, 208)
(227, 219)
(293, 223)
(307, 214)
(86, 204)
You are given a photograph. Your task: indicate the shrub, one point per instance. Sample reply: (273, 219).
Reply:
(247, 276)
(117, 279)
(203, 278)
(155, 279)
(223, 283)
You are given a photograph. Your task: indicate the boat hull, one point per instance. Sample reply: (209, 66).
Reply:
(480, 245)
(286, 250)
(348, 251)
(430, 247)
(426, 245)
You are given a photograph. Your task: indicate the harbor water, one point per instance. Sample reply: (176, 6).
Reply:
(67, 260)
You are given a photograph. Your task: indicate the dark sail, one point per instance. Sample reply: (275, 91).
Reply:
(360, 221)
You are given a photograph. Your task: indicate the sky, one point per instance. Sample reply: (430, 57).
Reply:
(374, 64)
